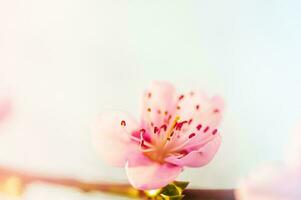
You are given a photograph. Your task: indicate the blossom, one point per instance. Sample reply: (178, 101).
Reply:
(5, 106)
(175, 131)
(276, 181)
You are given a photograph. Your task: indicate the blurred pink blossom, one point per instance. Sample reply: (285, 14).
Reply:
(175, 131)
(281, 181)
(5, 102)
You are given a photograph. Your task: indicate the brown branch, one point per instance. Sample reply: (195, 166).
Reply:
(14, 182)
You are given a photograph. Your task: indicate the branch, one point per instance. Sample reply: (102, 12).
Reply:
(14, 182)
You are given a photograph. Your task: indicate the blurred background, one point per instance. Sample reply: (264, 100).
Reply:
(66, 61)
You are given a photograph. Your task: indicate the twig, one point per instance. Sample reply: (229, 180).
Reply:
(14, 182)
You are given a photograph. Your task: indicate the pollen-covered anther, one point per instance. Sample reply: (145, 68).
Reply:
(149, 109)
(164, 127)
(216, 110)
(172, 134)
(206, 129)
(123, 123)
(166, 112)
(181, 97)
(179, 125)
(214, 131)
(149, 95)
(199, 127)
(191, 135)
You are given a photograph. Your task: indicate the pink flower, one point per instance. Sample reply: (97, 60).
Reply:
(280, 181)
(271, 182)
(5, 104)
(175, 131)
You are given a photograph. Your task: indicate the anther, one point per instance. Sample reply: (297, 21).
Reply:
(214, 131)
(199, 127)
(164, 127)
(191, 135)
(216, 110)
(197, 107)
(149, 95)
(181, 97)
(122, 123)
(206, 129)
(149, 109)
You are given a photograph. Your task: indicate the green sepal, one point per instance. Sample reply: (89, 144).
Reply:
(181, 184)
(173, 191)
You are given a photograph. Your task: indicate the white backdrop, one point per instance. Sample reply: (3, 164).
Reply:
(65, 61)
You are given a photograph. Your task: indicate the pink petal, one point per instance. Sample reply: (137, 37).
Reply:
(200, 157)
(158, 103)
(273, 182)
(5, 108)
(146, 174)
(112, 140)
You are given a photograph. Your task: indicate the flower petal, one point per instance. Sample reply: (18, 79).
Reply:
(271, 182)
(200, 157)
(5, 108)
(145, 174)
(111, 137)
(158, 103)
(201, 109)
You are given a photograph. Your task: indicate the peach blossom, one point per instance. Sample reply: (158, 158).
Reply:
(175, 131)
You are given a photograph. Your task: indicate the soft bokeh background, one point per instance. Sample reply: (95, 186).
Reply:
(65, 61)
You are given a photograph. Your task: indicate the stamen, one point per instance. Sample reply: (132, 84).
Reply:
(149, 95)
(189, 122)
(172, 134)
(178, 107)
(206, 129)
(191, 135)
(216, 110)
(166, 112)
(180, 124)
(164, 127)
(159, 112)
(149, 109)
(156, 130)
(199, 127)
(122, 123)
(181, 97)
(214, 131)
(197, 107)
